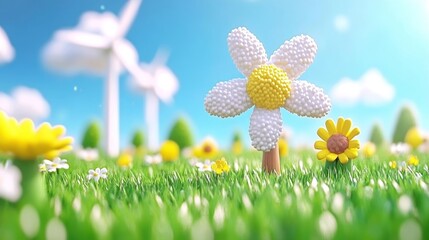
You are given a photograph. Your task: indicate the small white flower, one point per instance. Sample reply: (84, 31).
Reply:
(58, 163)
(187, 152)
(10, 182)
(205, 166)
(42, 167)
(154, 159)
(97, 174)
(193, 161)
(399, 149)
(89, 154)
(424, 147)
(402, 166)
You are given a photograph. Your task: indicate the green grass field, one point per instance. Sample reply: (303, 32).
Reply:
(176, 201)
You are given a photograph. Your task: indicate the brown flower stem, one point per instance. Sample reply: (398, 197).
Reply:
(271, 161)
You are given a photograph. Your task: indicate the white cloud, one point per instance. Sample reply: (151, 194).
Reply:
(25, 102)
(7, 53)
(371, 89)
(70, 58)
(341, 23)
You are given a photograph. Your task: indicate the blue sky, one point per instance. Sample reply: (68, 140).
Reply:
(390, 36)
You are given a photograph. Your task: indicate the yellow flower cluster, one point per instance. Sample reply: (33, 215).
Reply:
(25, 142)
(220, 166)
(412, 161)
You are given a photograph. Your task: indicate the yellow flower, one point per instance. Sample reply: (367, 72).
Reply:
(24, 142)
(392, 164)
(207, 150)
(125, 160)
(220, 166)
(337, 141)
(414, 138)
(369, 149)
(169, 151)
(283, 147)
(413, 160)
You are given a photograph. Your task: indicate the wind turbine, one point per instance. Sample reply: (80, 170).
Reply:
(7, 53)
(108, 40)
(163, 84)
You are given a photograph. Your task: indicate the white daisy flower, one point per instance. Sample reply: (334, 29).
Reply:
(270, 84)
(10, 182)
(97, 174)
(399, 148)
(89, 154)
(193, 161)
(154, 159)
(205, 166)
(43, 168)
(57, 163)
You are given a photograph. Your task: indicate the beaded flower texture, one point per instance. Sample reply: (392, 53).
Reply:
(269, 85)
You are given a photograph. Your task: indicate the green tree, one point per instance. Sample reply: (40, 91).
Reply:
(138, 139)
(236, 137)
(405, 121)
(91, 136)
(181, 133)
(376, 135)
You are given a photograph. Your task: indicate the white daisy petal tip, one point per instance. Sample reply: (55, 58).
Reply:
(265, 128)
(295, 55)
(246, 50)
(228, 99)
(308, 100)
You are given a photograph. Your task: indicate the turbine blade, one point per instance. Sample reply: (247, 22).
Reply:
(83, 38)
(161, 57)
(127, 16)
(127, 56)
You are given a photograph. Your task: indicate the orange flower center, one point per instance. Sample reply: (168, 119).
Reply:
(337, 143)
(207, 148)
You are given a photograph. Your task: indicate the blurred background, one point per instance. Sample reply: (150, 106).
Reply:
(372, 60)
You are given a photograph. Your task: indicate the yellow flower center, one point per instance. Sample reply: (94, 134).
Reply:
(268, 87)
(337, 143)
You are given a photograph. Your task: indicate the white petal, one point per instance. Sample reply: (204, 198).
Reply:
(96, 178)
(91, 172)
(265, 128)
(103, 171)
(89, 176)
(166, 84)
(246, 50)
(307, 100)
(295, 55)
(64, 166)
(47, 162)
(228, 99)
